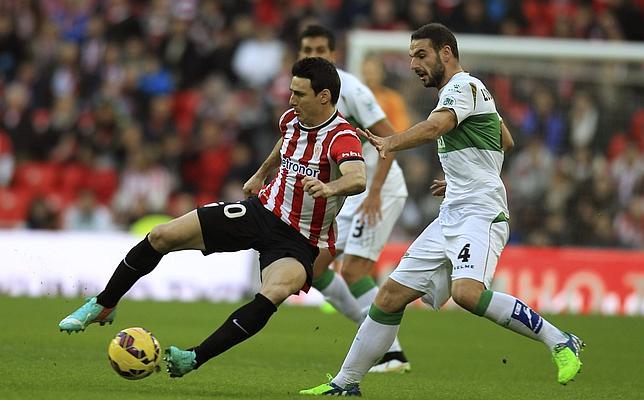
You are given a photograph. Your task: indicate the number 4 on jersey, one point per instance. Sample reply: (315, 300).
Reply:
(464, 254)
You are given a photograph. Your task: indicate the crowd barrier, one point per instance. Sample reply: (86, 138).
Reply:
(552, 280)
(35, 263)
(561, 280)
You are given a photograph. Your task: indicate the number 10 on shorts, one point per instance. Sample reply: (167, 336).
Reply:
(232, 210)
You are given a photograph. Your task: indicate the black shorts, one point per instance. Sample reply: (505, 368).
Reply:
(228, 227)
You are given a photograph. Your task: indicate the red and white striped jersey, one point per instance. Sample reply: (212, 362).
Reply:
(318, 152)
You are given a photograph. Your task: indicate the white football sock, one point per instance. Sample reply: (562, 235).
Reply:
(337, 293)
(512, 313)
(369, 345)
(365, 302)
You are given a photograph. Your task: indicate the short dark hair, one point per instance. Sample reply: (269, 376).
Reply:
(439, 34)
(317, 31)
(321, 73)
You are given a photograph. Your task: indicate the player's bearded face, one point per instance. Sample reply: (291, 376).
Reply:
(436, 73)
(426, 63)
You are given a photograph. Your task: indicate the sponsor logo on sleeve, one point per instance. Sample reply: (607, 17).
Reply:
(449, 101)
(348, 154)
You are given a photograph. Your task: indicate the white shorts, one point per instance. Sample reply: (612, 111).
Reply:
(359, 239)
(469, 249)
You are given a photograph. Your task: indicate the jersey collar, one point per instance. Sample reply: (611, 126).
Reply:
(458, 74)
(322, 125)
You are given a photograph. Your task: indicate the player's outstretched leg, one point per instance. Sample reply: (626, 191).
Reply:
(243, 323)
(566, 357)
(512, 313)
(89, 313)
(139, 261)
(179, 362)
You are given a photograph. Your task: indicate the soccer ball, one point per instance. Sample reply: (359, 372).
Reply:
(134, 353)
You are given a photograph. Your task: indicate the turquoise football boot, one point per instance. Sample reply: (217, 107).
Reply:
(89, 313)
(179, 362)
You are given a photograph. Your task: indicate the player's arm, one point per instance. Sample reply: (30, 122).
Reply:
(256, 182)
(371, 207)
(362, 105)
(507, 143)
(437, 124)
(352, 181)
(382, 129)
(346, 152)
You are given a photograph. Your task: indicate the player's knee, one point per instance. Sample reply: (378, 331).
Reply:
(319, 268)
(466, 296)
(160, 238)
(277, 293)
(388, 300)
(321, 264)
(350, 275)
(355, 268)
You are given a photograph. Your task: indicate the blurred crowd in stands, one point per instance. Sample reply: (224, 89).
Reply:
(113, 110)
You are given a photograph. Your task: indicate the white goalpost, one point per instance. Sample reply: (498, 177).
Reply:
(362, 42)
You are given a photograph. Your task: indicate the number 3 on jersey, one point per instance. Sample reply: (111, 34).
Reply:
(357, 232)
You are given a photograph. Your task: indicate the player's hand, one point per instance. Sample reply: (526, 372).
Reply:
(253, 186)
(380, 143)
(316, 188)
(371, 208)
(438, 187)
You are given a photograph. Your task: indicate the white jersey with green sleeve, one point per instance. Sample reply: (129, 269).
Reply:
(358, 105)
(471, 153)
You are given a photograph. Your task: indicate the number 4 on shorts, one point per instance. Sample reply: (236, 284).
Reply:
(464, 254)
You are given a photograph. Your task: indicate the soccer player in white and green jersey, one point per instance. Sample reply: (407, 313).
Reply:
(366, 220)
(457, 253)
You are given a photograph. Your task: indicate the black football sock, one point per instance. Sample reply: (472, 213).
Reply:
(242, 324)
(140, 261)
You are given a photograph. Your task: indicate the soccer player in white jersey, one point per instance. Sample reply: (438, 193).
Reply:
(366, 220)
(457, 253)
(319, 162)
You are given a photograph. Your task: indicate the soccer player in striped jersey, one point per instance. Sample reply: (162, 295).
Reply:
(318, 160)
(458, 252)
(367, 219)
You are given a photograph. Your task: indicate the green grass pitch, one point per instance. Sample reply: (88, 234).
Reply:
(454, 356)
